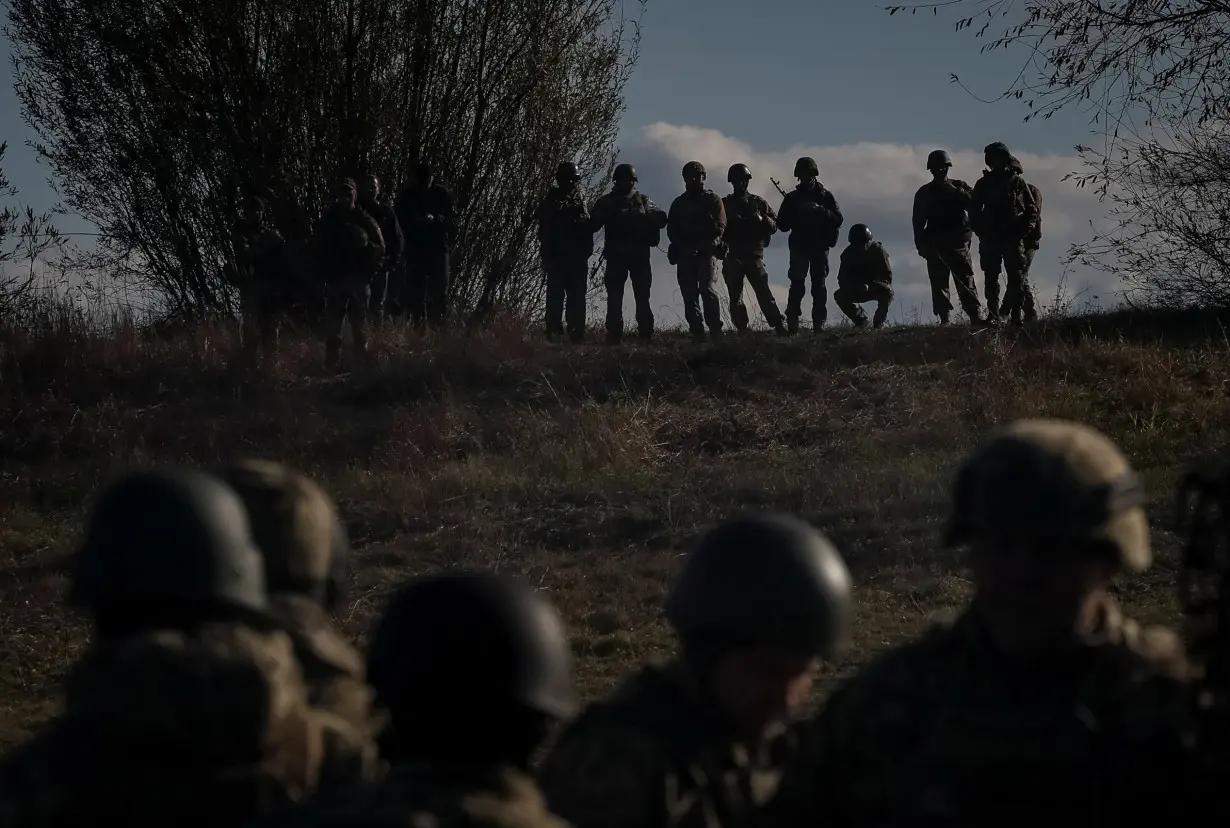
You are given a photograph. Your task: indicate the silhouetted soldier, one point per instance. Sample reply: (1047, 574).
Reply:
(633, 225)
(811, 215)
(566, 240)
(695, 225)
(428, 217)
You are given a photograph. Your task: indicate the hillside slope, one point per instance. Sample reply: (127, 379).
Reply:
(587, 470)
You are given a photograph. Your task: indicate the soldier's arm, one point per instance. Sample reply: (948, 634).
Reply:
(656, 214)
(396, 245)
(832, 208)
(372, 227)
(719, 216)
(919, 217)
(1029, 208)
(672, 222)
(603, 776)
(785, 216)
(883, 266)
(977, 197)
(844, 268)
(600, 214)
(770, 217)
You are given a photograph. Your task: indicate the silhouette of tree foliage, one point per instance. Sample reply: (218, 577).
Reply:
(24, 236)
(157, 116)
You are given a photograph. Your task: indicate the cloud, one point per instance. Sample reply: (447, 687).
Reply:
(874, 184)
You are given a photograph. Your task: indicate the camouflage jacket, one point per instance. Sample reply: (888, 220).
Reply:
(1002, 207)
(349, 244)
(744, 233)
(948, 731)
(649, 757)
(1033, 239)
(696, 222)
(941, 214)
(259, 253)
(440, 796)
(166, 729)
(633, 223)
(564, 225)
(390, 230)
(333, 670)
(425, 235)
(863, 265)
(812, 217)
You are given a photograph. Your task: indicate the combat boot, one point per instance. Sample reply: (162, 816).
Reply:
(780, 330)
(792, 325)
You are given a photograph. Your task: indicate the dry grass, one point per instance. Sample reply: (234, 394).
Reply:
(587, 470)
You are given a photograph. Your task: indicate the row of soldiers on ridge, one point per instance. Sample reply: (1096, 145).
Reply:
(361, 242)
(216, 692)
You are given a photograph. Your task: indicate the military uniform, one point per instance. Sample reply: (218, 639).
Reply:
(566, 242)
(695, 224)
(427, 213)
(1033, 241)
(650, 757)
(304, 549)
(189, 707)
(942, 237)
(633, 225)
(812, 217)
(662, 750)
(864, 275)
(1083, 725)
(390, 269)
(259, 272)
(750, 224)
(349, 252)
(1004, 214)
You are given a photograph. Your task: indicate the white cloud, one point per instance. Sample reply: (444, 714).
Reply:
(874, 183)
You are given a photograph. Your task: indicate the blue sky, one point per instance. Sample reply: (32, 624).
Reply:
(866, 93)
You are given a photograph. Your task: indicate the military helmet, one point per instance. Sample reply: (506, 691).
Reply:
(693, 168)
(296, 527)
(1049, 479)
(625, 172)
(166, 536)
(771, 581)
(567, 171)
(938, 158)
(452, 643)
(996, 147)
(860, 234)
(738, 172)
(806, 166)
(344, 185)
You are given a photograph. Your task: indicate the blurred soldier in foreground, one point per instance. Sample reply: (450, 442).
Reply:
(566, 241)
(305, 551)
(474, 670)
(701, 742)
(633, 225)
(260, 274)
(865, 275)
(695, 225)
(349, 251)
(1004, 214)
(188, 708)
(390, 230)
(942, 237)
(428, 216)
(750, 224)
(812, 217)
(1041, 703)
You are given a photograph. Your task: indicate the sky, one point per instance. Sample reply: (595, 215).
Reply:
(866, 94)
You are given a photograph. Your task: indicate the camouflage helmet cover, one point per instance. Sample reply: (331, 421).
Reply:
(771, 581)
(514, 644)
(996, 147)
(693, 168)
(624, 172)
(1052, 479)
(938, 158)
(860, 234)
(738, 172)
(806, 166)
(295, 526)
(168, 535)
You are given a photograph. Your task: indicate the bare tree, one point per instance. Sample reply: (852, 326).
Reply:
(24, 236)
(156, 116)
(1153, 76)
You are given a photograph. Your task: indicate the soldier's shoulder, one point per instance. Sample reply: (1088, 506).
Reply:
(712, 196)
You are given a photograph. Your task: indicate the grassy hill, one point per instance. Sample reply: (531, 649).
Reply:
(587, 470)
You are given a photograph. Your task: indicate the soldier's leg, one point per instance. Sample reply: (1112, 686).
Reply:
(380, 292)
(616, 276)
(1028, 308)
(336, 298)
(556, 273)
(437, 288)
(962, 267)
(576, 280)
(356, 309)
(1014, 271)
(707, 281)
(939, 275)
(847, 301)
(758, 275)
(989, 258)
(819, 290)
(732, 274)
(415, 290)
(641, 274)
(883, 296)
(797, 274)
(687, 271)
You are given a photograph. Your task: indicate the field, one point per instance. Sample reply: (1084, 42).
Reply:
(586, 470)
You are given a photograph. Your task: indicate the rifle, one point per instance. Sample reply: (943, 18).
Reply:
(778, 185)
(1204, 591)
